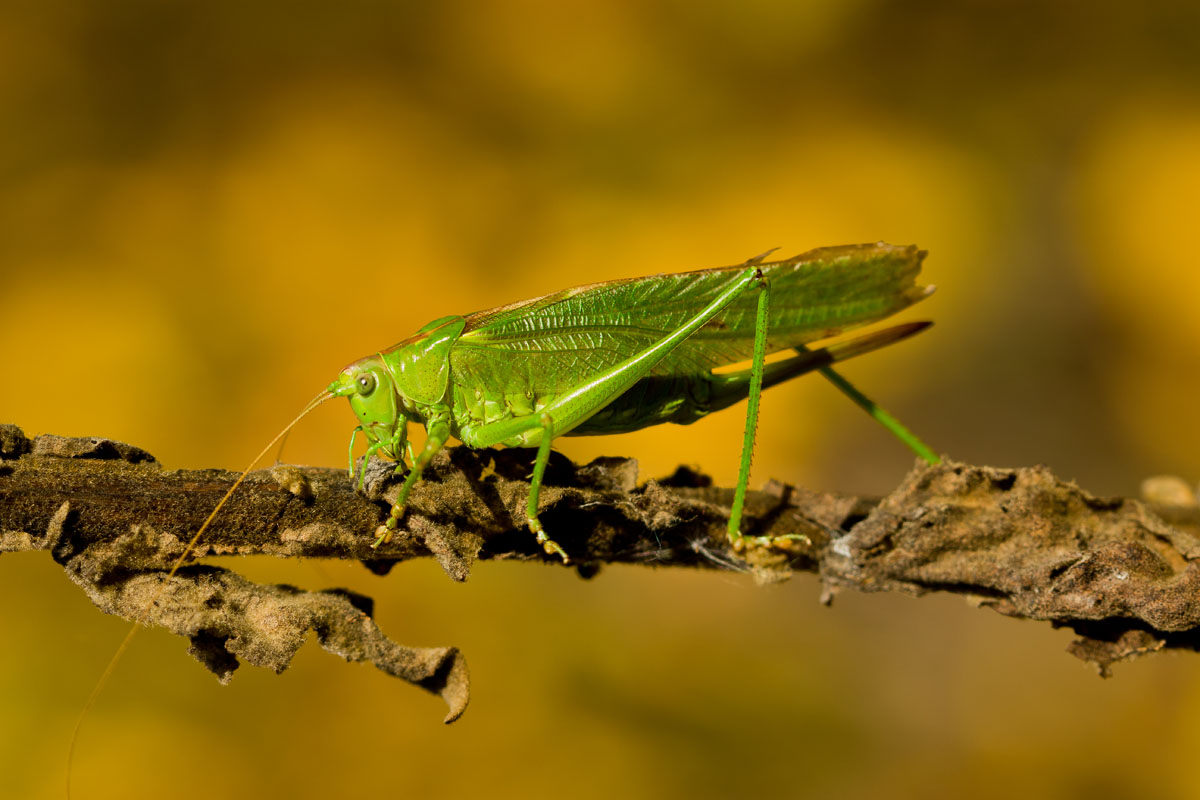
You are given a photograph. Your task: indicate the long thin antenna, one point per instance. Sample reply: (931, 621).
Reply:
(187, 551)
(279, 453)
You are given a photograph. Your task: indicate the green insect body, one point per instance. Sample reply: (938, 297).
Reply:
(622, 355)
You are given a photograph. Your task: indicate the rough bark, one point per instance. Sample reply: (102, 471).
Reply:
(1122, 574)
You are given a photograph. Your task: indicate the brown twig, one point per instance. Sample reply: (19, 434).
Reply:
(1018, 540)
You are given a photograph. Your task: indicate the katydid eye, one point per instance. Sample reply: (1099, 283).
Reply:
(366, 384)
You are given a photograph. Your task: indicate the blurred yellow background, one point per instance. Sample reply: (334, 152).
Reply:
(206, 210)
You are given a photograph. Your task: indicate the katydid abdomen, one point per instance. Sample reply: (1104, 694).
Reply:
(683, 399)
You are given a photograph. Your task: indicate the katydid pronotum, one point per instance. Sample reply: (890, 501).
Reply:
(614, 357)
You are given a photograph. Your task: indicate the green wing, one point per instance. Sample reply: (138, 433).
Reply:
(566, 336)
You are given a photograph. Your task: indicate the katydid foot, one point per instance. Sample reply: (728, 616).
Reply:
(783, 542)
(549, 545)
(385, 532)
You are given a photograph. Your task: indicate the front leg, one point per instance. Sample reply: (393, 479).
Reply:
(438, 431)
(391, 447)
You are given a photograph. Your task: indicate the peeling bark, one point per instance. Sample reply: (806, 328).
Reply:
(1122, 574)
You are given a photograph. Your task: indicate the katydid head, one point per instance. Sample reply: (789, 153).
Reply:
(372, 393)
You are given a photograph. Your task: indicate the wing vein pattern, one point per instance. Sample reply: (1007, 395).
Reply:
(564, 337)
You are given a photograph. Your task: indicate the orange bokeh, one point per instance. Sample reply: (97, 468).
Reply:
(206, 212)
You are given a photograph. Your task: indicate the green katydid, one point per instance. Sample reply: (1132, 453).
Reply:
(622, 355)
(613, 357)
